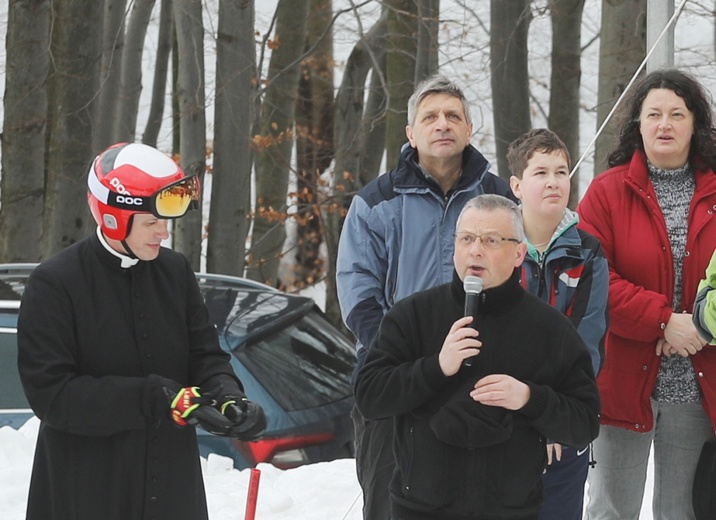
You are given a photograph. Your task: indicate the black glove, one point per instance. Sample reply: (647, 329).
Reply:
(247, 418)
(188, 406)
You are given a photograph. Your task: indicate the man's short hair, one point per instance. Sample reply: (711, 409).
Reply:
(492, 202)
(524, 147)
(437, 84)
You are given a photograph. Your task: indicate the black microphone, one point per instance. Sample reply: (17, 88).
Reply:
(473, 288)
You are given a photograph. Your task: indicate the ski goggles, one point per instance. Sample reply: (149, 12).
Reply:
(176, 199)
(172, 201)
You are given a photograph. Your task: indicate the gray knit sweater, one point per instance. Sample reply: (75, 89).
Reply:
(676, 382)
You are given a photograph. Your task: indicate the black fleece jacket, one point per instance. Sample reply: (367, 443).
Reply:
(458, 459)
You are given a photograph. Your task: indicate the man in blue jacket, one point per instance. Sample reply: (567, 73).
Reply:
(397, 239)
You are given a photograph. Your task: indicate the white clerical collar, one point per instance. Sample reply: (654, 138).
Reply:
(127, 262)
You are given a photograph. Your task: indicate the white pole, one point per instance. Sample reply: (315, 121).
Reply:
(658, 13)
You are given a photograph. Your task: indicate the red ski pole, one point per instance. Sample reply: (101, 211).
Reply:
(253, 494)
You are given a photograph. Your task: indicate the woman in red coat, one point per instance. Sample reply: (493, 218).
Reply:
(653, 212)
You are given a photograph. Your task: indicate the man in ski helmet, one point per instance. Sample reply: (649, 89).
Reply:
(130, 179)
(120, 360)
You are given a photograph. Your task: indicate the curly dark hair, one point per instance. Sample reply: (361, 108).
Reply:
(697, 100)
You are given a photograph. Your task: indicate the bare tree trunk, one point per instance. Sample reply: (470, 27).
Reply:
(23, 137)
(566, 75)
(110, 72)
(190, 94)
(349, 111)
(373, 131)
(427, 58)
(231, 177)
(372, 143)
(351, 126)
(509, 27)
(125, 117)
(164, 48)
(314, 145)
(75, 80)
(400, 72)
(621, 49)
(275, 140)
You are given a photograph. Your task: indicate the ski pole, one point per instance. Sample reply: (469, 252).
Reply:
(253, 494)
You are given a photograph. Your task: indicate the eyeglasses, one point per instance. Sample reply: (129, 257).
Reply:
(488, 240)
(172, 201)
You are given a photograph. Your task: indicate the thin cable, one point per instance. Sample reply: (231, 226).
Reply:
(360, 494)
(676, 14)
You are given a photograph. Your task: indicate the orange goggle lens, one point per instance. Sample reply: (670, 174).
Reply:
(176, 199)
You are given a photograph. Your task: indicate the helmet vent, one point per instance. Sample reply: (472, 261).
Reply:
(110, 221)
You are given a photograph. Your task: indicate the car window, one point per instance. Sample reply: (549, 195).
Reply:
(11, 393)
(241, 313)
(306, 364)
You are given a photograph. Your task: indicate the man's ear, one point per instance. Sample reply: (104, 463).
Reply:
(409, 135)
(520, 254)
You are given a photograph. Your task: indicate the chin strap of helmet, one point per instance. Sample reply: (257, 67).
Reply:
(129, 251)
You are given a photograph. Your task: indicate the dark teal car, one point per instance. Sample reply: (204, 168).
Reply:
(290, 359)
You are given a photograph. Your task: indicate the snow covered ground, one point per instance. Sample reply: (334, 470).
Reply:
(325, 491)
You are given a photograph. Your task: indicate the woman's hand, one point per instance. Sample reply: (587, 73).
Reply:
(663, 348)
(681, 336)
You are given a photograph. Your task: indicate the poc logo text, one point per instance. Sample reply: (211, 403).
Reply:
(132, 201)
(120, 188)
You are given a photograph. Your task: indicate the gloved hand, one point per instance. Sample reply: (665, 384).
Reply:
(248, 421)
(188, 406)
(246, 417)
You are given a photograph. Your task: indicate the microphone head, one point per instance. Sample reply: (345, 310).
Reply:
(472, 284)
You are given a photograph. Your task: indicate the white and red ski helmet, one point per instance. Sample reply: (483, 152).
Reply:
(131, 178)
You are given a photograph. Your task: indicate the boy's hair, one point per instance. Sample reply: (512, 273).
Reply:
(523, 148)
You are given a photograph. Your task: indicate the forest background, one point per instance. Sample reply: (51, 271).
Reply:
(286, 108)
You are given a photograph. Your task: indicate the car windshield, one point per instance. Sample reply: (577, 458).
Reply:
(304, 365)
(285, 342)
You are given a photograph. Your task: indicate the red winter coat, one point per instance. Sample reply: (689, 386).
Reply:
(620, 208)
